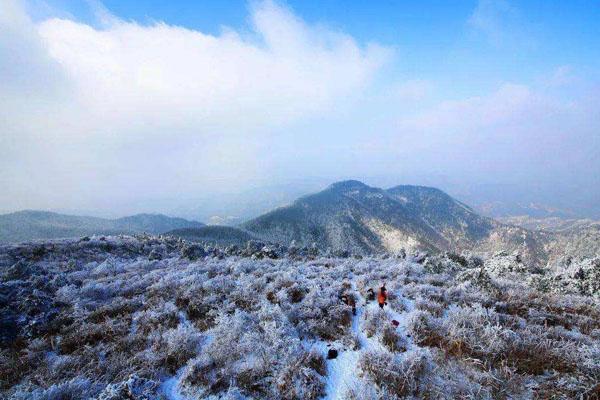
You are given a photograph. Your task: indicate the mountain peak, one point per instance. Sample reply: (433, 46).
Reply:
(418, 189)
(350, 215)
(348, 185)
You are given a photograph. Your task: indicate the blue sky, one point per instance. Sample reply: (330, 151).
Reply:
(186, 97)
(430, 36)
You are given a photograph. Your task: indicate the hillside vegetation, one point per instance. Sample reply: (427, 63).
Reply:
(160, 318)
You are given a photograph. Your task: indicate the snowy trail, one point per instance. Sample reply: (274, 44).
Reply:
(342, 372)
(169, 388)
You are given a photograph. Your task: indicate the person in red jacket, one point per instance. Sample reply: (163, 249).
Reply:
(382, 296)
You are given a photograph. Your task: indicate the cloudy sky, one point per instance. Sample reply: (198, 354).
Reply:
(114, 105)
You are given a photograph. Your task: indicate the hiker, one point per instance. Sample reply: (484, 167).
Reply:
(348, 299)
(370, 294)
(352, 303)
(382, 297)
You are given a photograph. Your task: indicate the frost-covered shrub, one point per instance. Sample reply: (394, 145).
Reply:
(480, 278)
(474, 331)
(374, 320)
(176, 346)
(134, 388)
(400, 375)
(580, 277)
(433, 307)
(420, 325)
(392, 339)
(236, 353)
(192, 251)
(89, 334)
(447, 262)
(502, 264)
(322, 314)
(360, 390)
(247, 350)
(165, 315)
(303, 377)
(76, 389)
(239, 328)
(119, 307)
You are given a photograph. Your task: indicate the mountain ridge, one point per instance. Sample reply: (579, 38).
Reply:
(350, 215)
(34, 224)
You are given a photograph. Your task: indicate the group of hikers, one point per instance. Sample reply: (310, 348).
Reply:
(349, 299)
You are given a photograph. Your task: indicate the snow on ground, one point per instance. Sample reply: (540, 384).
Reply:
(148, 316)
(170, 387)
(343, 371)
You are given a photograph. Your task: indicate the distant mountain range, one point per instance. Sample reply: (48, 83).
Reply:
(346, 216)
(214, 234)
(28, 225)
(551, 224)
(352, 216)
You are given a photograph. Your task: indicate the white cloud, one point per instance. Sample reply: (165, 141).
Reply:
(161, 105)
(414, 89)
(170, 76)
(490, 18)
(508, 103)
(502, 25)
(98, 117)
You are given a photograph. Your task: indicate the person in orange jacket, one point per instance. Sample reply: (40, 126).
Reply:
(382, 296)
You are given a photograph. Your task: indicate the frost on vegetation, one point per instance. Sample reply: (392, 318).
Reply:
(116, 317)
(400, 375)
(579, 277)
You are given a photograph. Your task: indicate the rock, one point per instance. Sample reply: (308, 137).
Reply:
(332, 354)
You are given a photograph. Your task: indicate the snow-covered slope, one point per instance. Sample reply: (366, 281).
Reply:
(352, 216)
(159, 318)
(347, 215)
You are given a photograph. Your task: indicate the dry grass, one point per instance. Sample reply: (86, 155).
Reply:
(303, 378)
(398, 375)
(236, 326)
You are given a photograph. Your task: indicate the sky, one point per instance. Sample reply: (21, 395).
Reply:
(118, 106)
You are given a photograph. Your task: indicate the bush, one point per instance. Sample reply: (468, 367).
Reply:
(303, 378)
(400, 375)
(392, 339)
(374, 321)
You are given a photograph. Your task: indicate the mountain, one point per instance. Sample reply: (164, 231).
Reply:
(552, 224)
(350, 215)
(214, 234)
(455, 221)
(578, 242)
(28, 225)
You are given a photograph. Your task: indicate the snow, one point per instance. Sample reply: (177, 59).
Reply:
(343, 371)
(232, 311)
(170, 387)
(391, 238)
